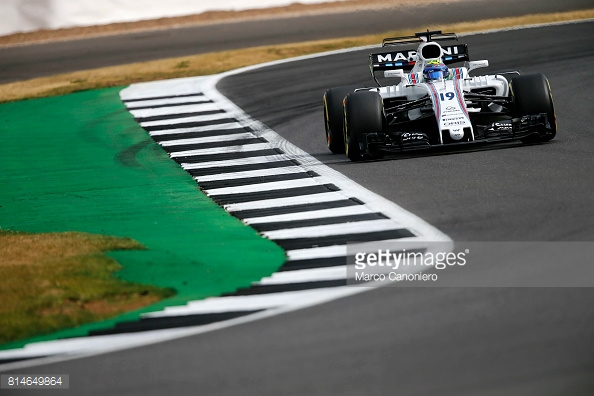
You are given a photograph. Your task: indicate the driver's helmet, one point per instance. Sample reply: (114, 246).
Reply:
(435, 70)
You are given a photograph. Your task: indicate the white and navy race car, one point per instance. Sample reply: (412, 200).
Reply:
(434, 105)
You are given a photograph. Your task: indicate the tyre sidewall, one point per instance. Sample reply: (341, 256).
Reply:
(363, 113)
(532, 95)
(334, 117)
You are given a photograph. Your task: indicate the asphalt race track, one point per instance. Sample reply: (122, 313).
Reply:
(448, 341)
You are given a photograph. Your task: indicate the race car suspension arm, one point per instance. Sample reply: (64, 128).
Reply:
(415, 104)
(476, 97)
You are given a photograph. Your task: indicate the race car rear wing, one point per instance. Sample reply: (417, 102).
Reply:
(405, 59)
(435, 35)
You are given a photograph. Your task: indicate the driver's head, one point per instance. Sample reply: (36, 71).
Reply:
(435, 70)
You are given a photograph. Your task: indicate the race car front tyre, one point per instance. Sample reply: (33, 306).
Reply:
(531, 95)
(363, 112)
(334, 116)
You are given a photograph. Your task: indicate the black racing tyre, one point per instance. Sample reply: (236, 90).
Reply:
(531, 94)
(334, 116)
(363, 112)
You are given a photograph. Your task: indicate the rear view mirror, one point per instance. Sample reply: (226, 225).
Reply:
(477, 64)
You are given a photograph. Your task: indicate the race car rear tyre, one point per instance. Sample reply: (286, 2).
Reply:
(363, 112)
(334, 117)
(531, 95)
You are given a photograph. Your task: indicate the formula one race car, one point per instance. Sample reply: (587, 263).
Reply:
(434, 105)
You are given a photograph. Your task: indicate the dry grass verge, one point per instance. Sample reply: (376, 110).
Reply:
(58, 280)
(218, 62)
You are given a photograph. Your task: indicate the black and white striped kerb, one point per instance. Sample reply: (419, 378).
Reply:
(273, 191)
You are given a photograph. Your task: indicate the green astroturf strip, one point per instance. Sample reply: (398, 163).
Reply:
(81, 163)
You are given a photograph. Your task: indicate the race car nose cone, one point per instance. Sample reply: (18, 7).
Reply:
(456, 133)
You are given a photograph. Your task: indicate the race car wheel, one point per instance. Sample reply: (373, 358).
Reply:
(531, 95)
(363, 112)
(334, 116)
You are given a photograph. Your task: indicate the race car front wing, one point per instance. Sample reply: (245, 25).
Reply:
(499, 131)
